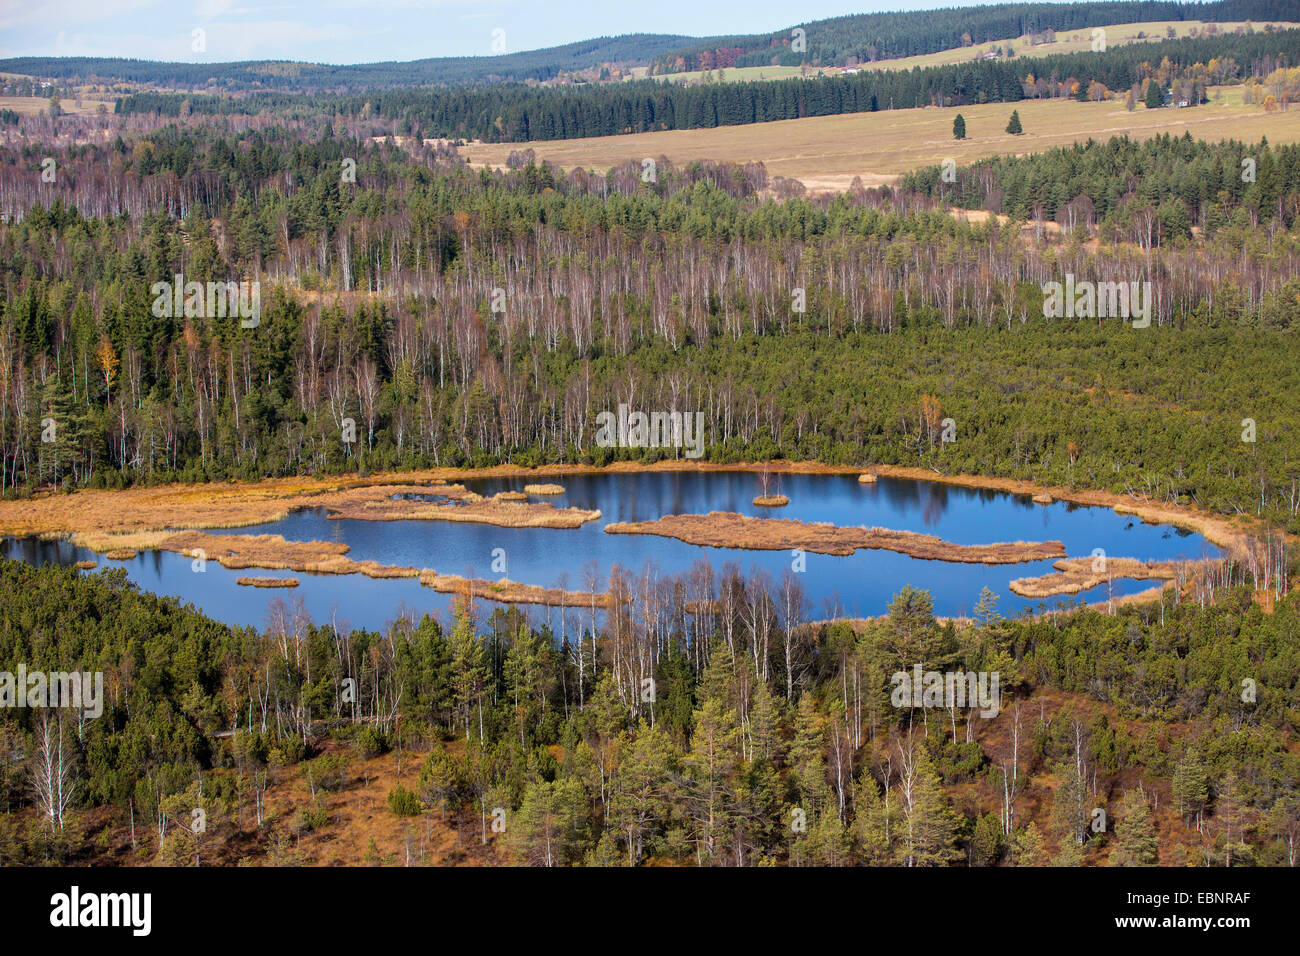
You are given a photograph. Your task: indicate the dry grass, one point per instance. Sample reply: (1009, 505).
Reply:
(87, 565)
(131, 515)
(120, 554)
(509, 509)
(771, 501)
(1074, 575)
(509, 592)
(827, 152)
(268, 582)
(1067, 41)
(720, 529)
(866, 478)
(544, 489)
(38, 105)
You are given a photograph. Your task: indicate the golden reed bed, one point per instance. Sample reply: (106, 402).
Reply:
(726, 529)
(544, 489)
(272, 552)
(421, 496)
(1074, 575)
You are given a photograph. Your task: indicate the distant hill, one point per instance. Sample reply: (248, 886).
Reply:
(838, 41)
(286, 76)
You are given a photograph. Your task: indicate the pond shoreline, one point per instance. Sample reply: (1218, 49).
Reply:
(59, 513)
(108, 520)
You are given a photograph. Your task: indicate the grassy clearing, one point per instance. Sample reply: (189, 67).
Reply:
(36, 105)
(827, 152)
(737, 74)
(1071, 41)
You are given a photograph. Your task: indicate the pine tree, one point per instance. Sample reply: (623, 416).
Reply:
(468, 669)
(439, 778)
(1135, 835)
(1191, 786)
(986, 841)
(929, 827)
(874, 820)
(549, 826)
(959, 127)
(641, 799)
(1013, 125)
(808, 758)
(1029, 849)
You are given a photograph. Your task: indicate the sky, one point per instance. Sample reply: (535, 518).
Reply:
(365, 31)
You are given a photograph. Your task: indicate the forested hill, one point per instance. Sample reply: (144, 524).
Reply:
(883, 36)
(519, 113)
(545, 64)
(834, 41)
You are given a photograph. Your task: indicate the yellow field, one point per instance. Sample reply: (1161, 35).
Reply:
(736, 74)
(32, 105)
(826, 152)
(1068, 41)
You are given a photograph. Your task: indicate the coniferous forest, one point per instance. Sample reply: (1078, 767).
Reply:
(415, 312)
(515, 112)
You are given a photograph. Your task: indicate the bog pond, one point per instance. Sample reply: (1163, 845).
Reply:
(859, 585)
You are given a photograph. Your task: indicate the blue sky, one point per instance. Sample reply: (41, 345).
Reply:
(361, 31)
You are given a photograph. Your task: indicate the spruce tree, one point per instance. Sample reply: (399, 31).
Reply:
(1013, 125)
(959, 127)
(1155, 98)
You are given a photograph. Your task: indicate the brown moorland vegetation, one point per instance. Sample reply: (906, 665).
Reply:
(724, 529)
(544, 489)
(511, 592)
(1082, 574)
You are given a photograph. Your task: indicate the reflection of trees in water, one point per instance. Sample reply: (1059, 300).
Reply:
(37, 551)
(928, 497)
(936, 503)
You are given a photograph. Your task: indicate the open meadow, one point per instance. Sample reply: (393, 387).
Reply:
(827, 152)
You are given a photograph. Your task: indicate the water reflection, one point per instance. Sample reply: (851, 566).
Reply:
(577, 559)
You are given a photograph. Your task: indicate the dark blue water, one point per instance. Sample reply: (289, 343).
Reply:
(860, 585)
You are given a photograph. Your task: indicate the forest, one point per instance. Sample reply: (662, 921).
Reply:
(414, 312)
(736, 736)
(378, 306)
(867, 37)
(1095, 183)
(518, 112)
